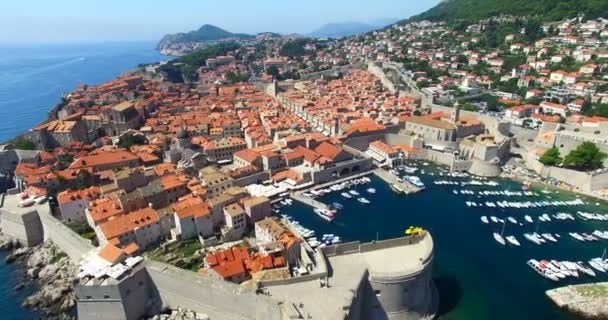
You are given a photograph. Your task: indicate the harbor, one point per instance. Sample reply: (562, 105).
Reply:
(468, 258)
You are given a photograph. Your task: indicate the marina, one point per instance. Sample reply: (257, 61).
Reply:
(464, 260)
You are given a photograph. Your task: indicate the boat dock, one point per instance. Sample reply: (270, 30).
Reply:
(397, 186)
(297, 195)
(588, 300)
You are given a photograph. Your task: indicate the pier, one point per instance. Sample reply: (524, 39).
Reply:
(398, 186)
(297, 195)
(590, 301)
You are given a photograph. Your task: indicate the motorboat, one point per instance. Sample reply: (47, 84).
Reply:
(363, 200)
(484, 219)
(353, 192)
(549, 237)
(346, 195)
(512, 220)
(512, 240)
(371, 190)
(528, 219)
(326, 215)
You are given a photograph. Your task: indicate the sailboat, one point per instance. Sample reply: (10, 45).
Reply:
(498, 237)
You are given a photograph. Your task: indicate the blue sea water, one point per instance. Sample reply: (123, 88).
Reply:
(32, 80)
(33, 77)
(477, 278)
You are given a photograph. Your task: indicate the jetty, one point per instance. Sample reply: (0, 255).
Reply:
(589, 301)
(398, 186)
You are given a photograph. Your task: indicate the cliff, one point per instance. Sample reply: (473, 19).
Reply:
(180, 44)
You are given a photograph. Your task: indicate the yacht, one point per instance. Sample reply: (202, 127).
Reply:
(498, 236)
(363, 200)
(371, 190)
(353, 192)
(512, 240)
(576, 236)
(337, 205)
(484, 219)
(528, 218)
(532, 238)
(512, 220)
(494, 219)
(326, 215)
(586, 270)
(346, 195)
(549, 237)
(542, 270)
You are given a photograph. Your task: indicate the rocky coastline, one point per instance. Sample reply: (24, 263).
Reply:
(51, 272)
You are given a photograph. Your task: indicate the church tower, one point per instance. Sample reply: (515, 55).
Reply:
(456, 113)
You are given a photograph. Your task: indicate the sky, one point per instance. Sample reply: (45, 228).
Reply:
(56, 21)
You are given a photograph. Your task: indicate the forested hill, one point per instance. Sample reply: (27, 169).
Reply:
(543, 10)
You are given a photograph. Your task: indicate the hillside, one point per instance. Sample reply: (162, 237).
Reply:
(173, 44)
(545, 10)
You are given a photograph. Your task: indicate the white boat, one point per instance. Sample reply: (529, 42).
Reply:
(346, 195)
(498, 236)
(549, 237)
(371, 190)
(528, 218)
(326, 215)
(353, 192)
(512, 220)
(484, 219)
(532, 238)
(576, 236)
(494, 219)
(542, 270)
(363, 200)
(597, 264)
(586, 270)
(512, 240)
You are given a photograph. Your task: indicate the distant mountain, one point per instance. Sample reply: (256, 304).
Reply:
(345, 29)
(205, 34)
(545, 10)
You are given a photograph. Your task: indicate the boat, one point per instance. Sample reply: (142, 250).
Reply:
(363, 200)
(532, 238)
(494, 219)
(337, 205)
(512, 220)
(353, 192)
(371, 190)
(484, 219)
(346, 195)
(542, 270)
(549, 237)
(415, 181)
(576, 236)
(326, 215)
(528, 218)
(512, 240)
(498, 236)
(586, 270)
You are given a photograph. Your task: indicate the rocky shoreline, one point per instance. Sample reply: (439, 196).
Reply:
(51, 272)
(585, 301)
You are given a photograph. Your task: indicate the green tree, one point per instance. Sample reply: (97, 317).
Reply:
(587, 156)
(24, 144)
(273, 71)
(551, 157)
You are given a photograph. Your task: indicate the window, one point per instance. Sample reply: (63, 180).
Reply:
(377, 293)
(105, 296)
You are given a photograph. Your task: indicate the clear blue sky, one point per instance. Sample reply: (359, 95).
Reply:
(32, 21)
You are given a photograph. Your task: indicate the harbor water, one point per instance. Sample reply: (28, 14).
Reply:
(477, 278)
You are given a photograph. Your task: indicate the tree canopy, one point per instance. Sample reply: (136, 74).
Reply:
(586, 157)
(24, 144)
(551, 157)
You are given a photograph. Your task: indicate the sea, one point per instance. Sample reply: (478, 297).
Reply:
(476, 277)
(34, 77)
(32, 80)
